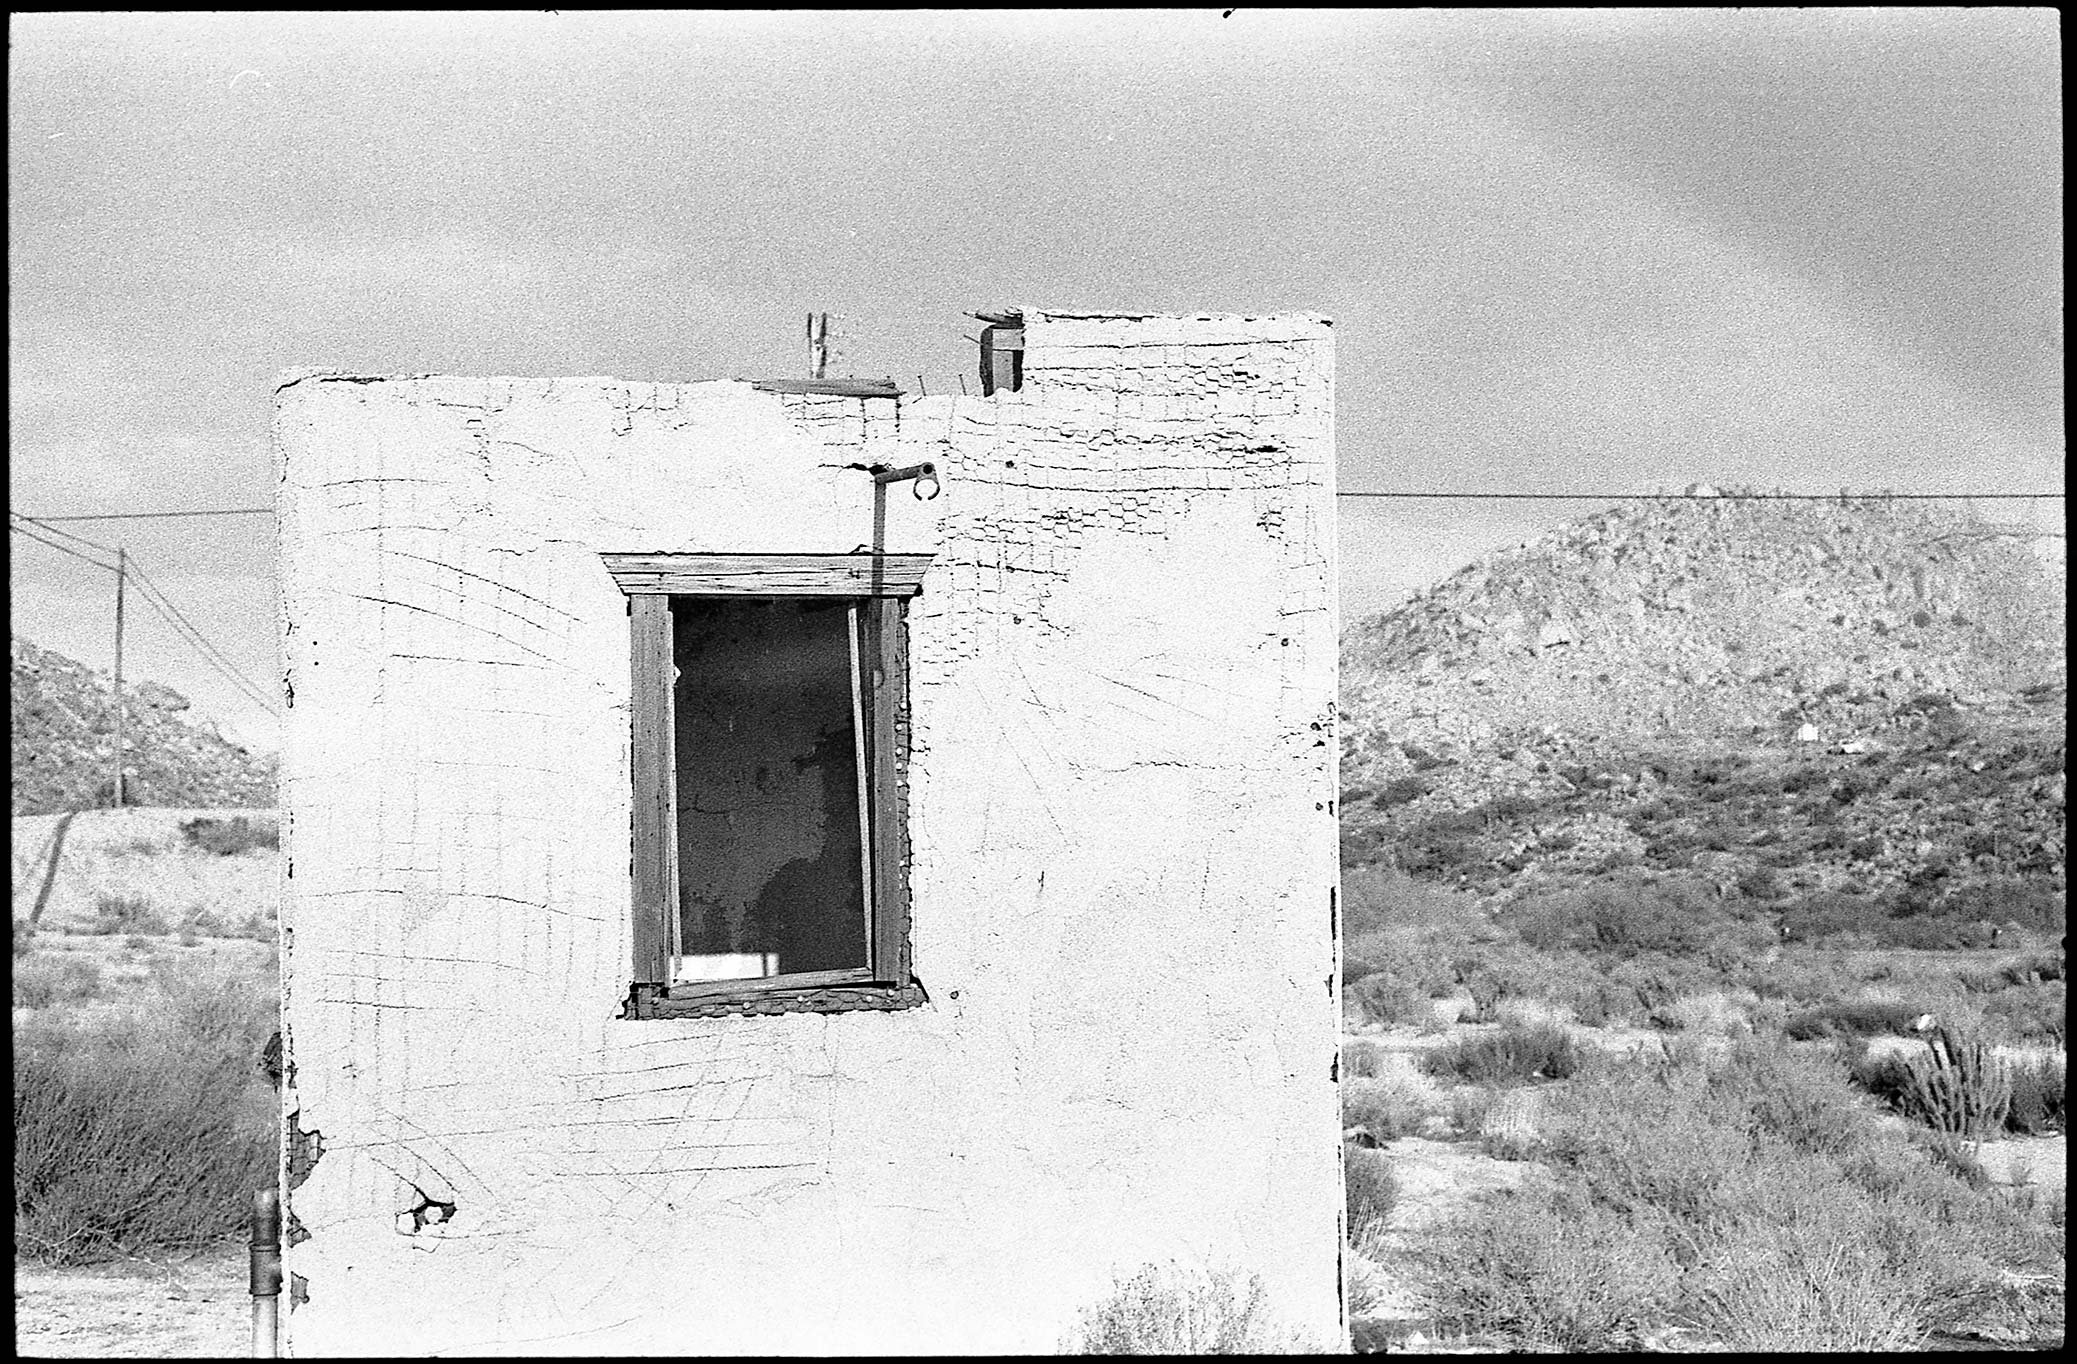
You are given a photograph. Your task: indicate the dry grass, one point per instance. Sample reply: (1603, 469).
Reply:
(1745, 1192)
(147, 1128)
(1171, 1310)
(1389, 1106)
(1372, 1194)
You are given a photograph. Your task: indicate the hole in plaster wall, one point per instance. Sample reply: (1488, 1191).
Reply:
(430, 1212)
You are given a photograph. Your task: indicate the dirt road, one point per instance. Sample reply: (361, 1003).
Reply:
(181, 1308)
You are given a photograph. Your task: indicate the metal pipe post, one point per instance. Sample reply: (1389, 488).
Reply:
(266, 1274)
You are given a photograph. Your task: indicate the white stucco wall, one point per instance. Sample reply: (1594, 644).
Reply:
(1121, 812)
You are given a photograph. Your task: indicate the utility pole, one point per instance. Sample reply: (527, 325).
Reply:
(818, 344)
(122, 573)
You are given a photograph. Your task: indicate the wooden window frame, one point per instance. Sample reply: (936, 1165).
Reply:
(880, 585)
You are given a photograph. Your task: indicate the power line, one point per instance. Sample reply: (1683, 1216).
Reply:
(1719, 497)
(155, 597)
(18, 528)
(239, 683)
(146, 516)
(75, 539)
(1461, 496)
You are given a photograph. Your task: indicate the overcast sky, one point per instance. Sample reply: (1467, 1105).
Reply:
(1564, 251)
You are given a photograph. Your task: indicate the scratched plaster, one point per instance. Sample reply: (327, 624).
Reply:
(1122, 850)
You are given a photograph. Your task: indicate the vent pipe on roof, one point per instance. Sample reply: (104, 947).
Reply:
(1002, 352)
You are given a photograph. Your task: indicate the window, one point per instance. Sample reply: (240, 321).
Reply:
(770, 729)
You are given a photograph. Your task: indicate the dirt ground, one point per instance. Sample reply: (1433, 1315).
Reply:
(196, 1307)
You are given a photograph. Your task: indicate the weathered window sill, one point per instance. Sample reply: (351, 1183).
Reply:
(643, 1003)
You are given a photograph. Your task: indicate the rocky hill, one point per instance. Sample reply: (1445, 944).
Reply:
(62, 716)
(1856, 696)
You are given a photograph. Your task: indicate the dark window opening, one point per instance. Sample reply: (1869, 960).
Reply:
(769, 729)
(771, 787)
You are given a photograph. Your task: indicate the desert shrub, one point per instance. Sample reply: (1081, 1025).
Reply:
(1400, 791)
(1384, 898)
(1712, 1012)
(1980, 981)
(1559, 979)
(1729, 948)
(1791, 980)
(1511, 1055)
(2037, 1095)
(1522, 1011)
(1923, 933)
(1602, 1003)
(1711, 1163)
(1510, 1128)
(145, 1132)
(229, 837)
(1863, 1017)
(1648, 1137)
(1439, 854)
(1655, 980)
(1569, 1275)
(1625, 918)
(2032, 969)
(43, 982)
(1361, 1060)
(1372, 1192)
(115, 914)
(1803, 779)
(1803, 1101)
(1165, 1309)
(1956, 1085)
(2035, 1013)
(1487, 990)
(1383, 999)
(1468, 1106)
(2013, 900)
(1386, 1108)
(1797, 1289)
(1826, 914)
(1962, 1160)
(24, 938)
(1761, 883)
(1507, 971)
(1414, 956)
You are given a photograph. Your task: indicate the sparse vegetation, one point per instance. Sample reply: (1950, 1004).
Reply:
(1372, 1193)
(2037, 1106)
(147, 1130)
(1722, 1192)
(1956, 1085)
(230, 837)
(1387, 1108)
(48, 981)
(1729, 1179)
(1512, 1055)
(1856, 1018)
(1166, 1309)
(125, 914)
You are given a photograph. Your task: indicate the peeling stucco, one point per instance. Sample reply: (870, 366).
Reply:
(1121, 789)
